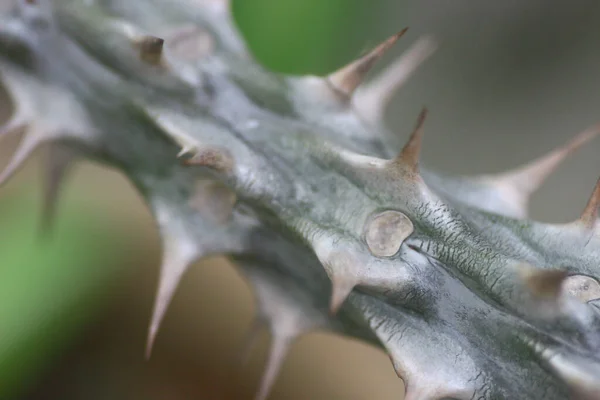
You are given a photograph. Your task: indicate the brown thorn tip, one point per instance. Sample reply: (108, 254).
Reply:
(151, 49)
(409, 156)
(545, 283)
(348, 78)
(590, 214)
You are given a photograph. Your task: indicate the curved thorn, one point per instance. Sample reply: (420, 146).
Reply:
(177, 258)
(589, 217)
(59, 159)
(372, 99)
(27, 146)
(348, 78)
(409, 156)
(277, 353)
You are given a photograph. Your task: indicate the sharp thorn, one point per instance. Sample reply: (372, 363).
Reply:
(409, 156)
(340, 290)
(177, 258)
(372, 99)
(27, 146)
(59, 159)
(250, 341)
(12, 127)
(348, 78)
(277, 353)
(589, 217)
(522, 182)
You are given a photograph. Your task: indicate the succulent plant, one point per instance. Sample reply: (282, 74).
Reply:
(294, 178)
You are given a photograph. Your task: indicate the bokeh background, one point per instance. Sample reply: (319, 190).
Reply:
(510, 81)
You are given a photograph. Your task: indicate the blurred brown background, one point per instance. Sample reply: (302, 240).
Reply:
(510, 81)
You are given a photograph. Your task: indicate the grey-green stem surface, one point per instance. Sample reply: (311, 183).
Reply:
(471, 299)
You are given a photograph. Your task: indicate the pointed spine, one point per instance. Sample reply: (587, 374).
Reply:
(28, 145)
(59, 160)
(520, 183)
(348, 78)
(372, 99)
(589, 217)
(178, 255)
(410, 154)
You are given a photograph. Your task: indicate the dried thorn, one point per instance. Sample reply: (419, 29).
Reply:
(372, 99)
(58, 162)
(544, 283)
(589, 217)
(177, 258)
(348, 78)
(27, 146)
(409, 156)
(279, 348)
(217, 159)
(151, 49)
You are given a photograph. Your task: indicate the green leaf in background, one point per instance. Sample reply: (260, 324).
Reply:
(50, 288)
(299, 36)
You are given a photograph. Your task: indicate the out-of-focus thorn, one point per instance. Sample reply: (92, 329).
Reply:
(409, 156)
(519, 184)
(280, 345)
(177, 257)
(151, 49)
(589, 217)
(12, 126)
(348, 78)
(59, 160)
(218, 159)
(27, 146)
(544, 283)
(250, 339)
(372, 98)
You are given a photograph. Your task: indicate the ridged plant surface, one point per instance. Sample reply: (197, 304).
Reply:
(294, 179)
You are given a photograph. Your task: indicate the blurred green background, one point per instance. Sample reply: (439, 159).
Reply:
(510, 81)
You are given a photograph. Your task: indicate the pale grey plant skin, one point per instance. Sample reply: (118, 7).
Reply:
(293, 178)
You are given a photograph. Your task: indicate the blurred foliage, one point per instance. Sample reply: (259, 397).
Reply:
(49, 286)
(308, 36)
